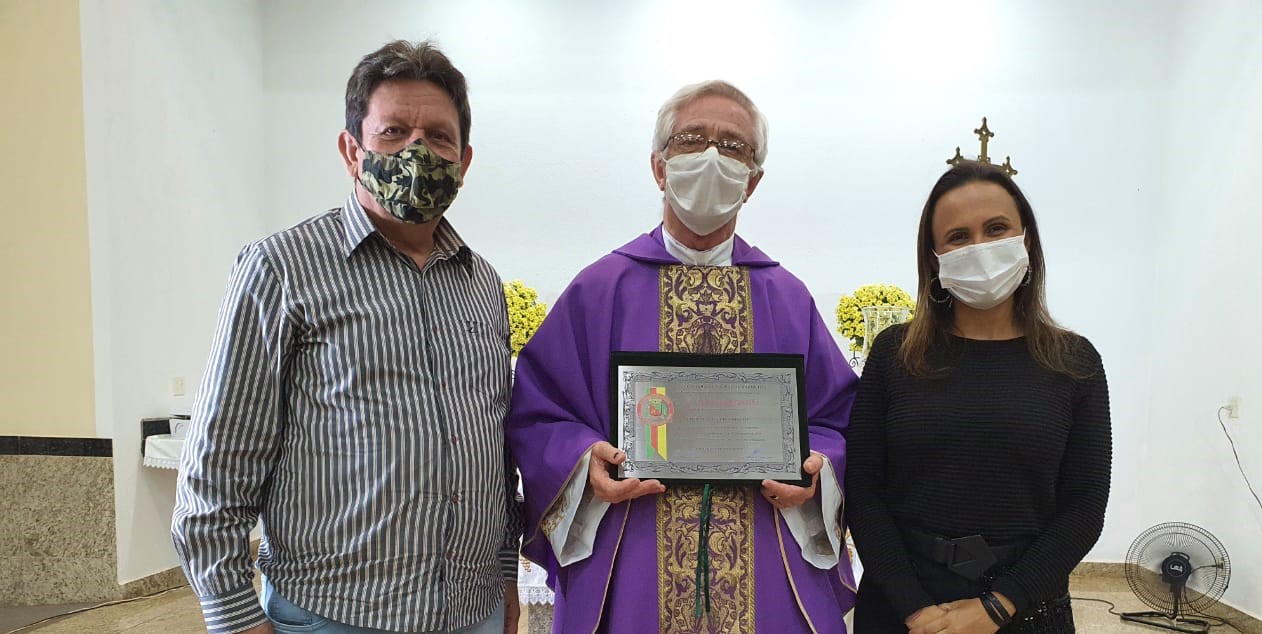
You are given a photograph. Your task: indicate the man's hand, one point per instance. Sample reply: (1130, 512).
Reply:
(788, 496)
(265, 628)
(612, 491)
(512, 609)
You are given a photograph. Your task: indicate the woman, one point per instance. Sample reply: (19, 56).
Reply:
(979, 447)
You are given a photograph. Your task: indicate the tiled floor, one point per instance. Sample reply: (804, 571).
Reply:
(176, 612)
(12, 618)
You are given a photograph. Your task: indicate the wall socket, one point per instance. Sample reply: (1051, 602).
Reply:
(177, 386)
(1233, 407)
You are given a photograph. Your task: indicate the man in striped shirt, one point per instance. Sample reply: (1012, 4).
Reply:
(355, 395)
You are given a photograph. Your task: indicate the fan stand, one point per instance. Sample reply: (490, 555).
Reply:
(1167, 622)
(1174, 571)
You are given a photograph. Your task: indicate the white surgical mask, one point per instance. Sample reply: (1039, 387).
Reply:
(705, 189)
(984, 275)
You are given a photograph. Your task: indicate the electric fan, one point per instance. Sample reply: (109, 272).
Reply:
(1178, 569)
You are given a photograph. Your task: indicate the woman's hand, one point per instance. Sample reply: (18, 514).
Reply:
(929, 614)
(966, 616)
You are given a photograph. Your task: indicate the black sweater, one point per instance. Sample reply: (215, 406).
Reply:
(998, 446)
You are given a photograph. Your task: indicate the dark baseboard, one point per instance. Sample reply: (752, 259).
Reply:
(56, 446)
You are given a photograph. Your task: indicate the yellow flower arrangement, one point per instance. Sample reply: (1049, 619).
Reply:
(525, 313)
(850, 308)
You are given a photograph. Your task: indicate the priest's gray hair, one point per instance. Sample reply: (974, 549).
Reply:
(691, 92)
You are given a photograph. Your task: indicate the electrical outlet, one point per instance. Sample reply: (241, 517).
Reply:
(177, 386)
(1233, 407)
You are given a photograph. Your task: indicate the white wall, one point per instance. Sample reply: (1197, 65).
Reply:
(866, 100)
(1208, 291)
(174, 138)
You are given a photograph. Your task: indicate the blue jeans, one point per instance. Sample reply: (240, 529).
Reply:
(288, 618)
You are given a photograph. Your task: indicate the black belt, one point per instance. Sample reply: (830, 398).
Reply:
(969, 557)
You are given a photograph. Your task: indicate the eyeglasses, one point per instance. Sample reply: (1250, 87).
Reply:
(688, 143)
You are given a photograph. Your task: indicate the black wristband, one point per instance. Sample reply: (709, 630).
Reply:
(990, 611)
(994, 609)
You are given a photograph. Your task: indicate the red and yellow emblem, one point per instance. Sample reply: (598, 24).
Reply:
(654, 410)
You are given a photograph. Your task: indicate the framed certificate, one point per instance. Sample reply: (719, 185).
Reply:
(731, 418)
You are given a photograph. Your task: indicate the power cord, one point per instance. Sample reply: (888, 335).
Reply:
(1237, 455)
(1219, 619)
(1112, 608)
(96, 607)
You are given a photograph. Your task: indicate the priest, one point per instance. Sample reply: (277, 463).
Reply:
(625, 555)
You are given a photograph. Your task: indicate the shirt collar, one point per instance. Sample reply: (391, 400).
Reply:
(650, 249)
(720, 255)
(356, 224)
(447, 243)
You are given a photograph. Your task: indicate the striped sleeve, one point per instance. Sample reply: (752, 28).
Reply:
(235, 611)
(231, 446)
(509, 553)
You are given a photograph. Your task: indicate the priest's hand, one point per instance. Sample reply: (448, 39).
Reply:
(788, 496)
(613, 491)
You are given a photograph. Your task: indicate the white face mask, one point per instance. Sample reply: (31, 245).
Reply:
(984, 275)
(705, 189)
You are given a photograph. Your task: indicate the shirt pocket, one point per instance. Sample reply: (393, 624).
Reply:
(481, 360)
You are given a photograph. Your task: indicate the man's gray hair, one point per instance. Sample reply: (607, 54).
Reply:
(692, 92)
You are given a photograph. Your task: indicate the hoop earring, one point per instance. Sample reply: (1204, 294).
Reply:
(1029, 274)
(946, 300)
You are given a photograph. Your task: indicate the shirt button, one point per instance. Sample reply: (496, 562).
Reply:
(455, 499)
(455, 440)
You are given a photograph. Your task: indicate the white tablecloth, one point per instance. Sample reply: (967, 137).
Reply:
(532, 584)
(163, 452)
(532, 579)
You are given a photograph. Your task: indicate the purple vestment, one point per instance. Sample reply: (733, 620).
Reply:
(560, 407)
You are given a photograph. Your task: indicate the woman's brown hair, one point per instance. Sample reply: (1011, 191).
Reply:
(1051, 346)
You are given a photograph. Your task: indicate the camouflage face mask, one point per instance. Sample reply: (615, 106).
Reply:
(415, 185)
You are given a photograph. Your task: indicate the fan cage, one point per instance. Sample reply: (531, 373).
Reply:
(1211, 568)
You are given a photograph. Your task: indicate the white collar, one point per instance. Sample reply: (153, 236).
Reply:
(720, 255)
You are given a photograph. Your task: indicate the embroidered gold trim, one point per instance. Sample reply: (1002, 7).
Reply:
(731, 561)
(552, 520)
(705, 310)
